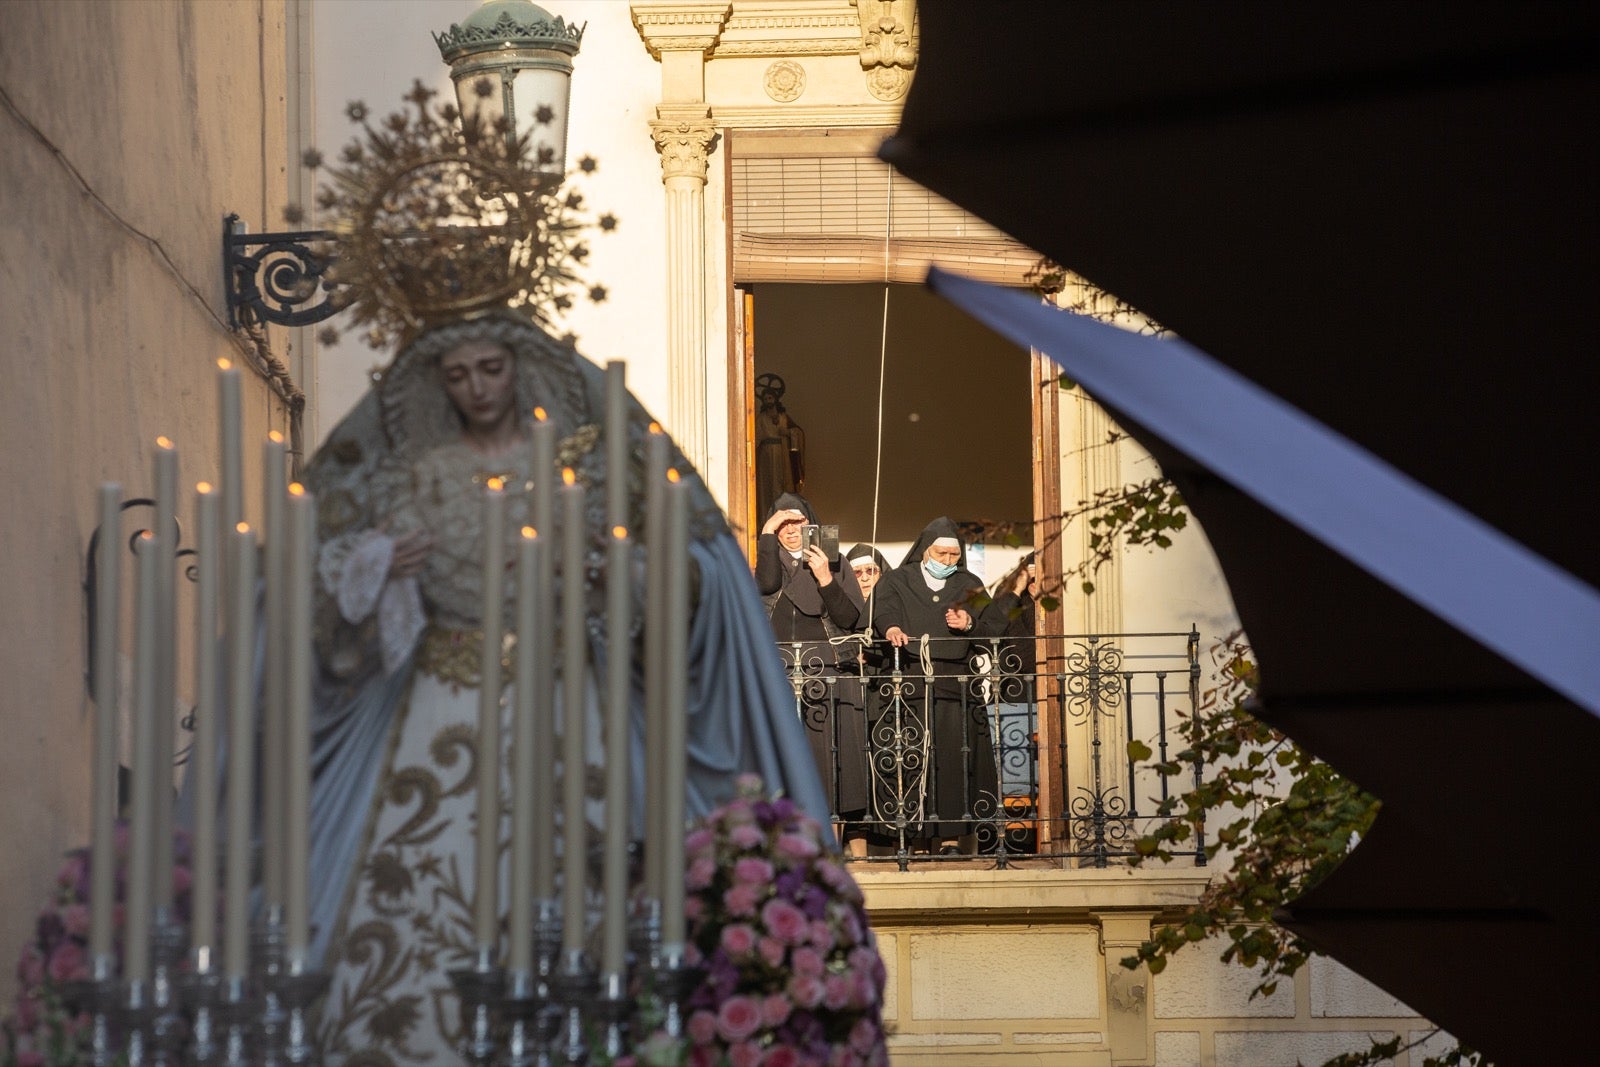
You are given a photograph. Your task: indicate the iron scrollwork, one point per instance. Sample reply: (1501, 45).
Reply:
(280, 278)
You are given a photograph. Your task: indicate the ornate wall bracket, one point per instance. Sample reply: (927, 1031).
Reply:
(888, 45)
(281, 278)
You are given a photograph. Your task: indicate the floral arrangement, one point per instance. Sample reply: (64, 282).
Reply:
(42, 1030)
(792, 972)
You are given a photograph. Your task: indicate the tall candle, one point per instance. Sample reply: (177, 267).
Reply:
(232, 444)
(614, 881)
(486, 915)
(166, 662)
(274, 675)
(525, 825)
(301, 522)
(616, 435)
(146, 770)
(544, 769)
(677, 686)
(241, 751)
(655, 636)
(103, 783)
(575, 828)
(203, 925)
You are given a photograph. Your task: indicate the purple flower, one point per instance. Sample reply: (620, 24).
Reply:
(805, 990)
(741, 900)
(795, 847)
(807, 961)
(775, 1009)
(744, 1054)
(836, 991)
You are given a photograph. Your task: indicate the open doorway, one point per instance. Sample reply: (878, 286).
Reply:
(957, 434)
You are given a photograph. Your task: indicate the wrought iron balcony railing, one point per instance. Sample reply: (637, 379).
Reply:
(1009, 750)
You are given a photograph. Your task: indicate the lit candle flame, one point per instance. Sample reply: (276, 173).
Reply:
(494, 485)
(243, 527)
(224, 363)
(568, 476)
(296, 489)
(539, 413)
(619, 532)
(672, 474)
(655, 427)
(163, 442)
(203, 488)
(275, 437)
(146, 535)
(529, 533)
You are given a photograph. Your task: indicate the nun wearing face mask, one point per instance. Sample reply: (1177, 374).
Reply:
(931, 594)
(812, 599)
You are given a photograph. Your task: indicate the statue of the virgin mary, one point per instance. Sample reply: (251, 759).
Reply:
(399, 606)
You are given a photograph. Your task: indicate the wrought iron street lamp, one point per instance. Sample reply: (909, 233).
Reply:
(510, 58)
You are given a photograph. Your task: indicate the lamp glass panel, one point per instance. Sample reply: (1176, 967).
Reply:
(543, 86)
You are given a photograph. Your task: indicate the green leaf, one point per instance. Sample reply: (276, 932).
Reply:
(1138, 751)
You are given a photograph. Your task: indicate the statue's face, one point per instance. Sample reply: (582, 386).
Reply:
(478, 377)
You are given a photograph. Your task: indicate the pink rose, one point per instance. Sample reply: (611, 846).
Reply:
(807, 961)
(27, 1014)
(864, 1036)
(836, 991)
(738, 1018)
(842, 1056)
(738, 940)
(745, 1054)
(702, 1027)
(822, 935)
(737, 813)
(781, 1056)
(704, 1056)
(746, 836)
(30, 968)
(749, 785)
(69, 961)
(775, 1010)
(75, 917)
(805, 990)
(772, 951)
(864, 992)
(72, 871)
(693, 908)
(698, 841)
(741, 900)
(692, 955)
(753, 869)
(795, 847)
(700, 873)
(785, 921)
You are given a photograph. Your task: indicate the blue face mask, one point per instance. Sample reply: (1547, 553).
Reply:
(938, 570)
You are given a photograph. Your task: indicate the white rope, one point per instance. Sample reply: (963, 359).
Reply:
(883, 363)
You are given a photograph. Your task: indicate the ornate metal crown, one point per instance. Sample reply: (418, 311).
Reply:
(438, 216)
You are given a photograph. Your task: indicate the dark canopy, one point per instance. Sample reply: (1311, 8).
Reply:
(1385, 215)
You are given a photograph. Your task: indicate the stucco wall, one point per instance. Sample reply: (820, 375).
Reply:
(111, 299)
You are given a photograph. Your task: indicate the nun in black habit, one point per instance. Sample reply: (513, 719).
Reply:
(814, 603)
(931, 595)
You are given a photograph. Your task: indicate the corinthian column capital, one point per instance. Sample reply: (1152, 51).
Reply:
(684, 143)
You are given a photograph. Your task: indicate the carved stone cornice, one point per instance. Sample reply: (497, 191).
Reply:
(680, 25)
(685, 142)
(888, 45)
(783, 28)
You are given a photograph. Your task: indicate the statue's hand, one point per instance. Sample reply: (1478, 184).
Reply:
(410, 553)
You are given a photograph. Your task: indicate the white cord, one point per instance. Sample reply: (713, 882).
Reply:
(883, 363)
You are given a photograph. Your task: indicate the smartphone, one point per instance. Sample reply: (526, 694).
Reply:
(825, 537)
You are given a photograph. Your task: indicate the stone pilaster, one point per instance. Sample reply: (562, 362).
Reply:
(685, 140)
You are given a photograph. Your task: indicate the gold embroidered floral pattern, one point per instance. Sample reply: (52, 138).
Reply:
(456, 656)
